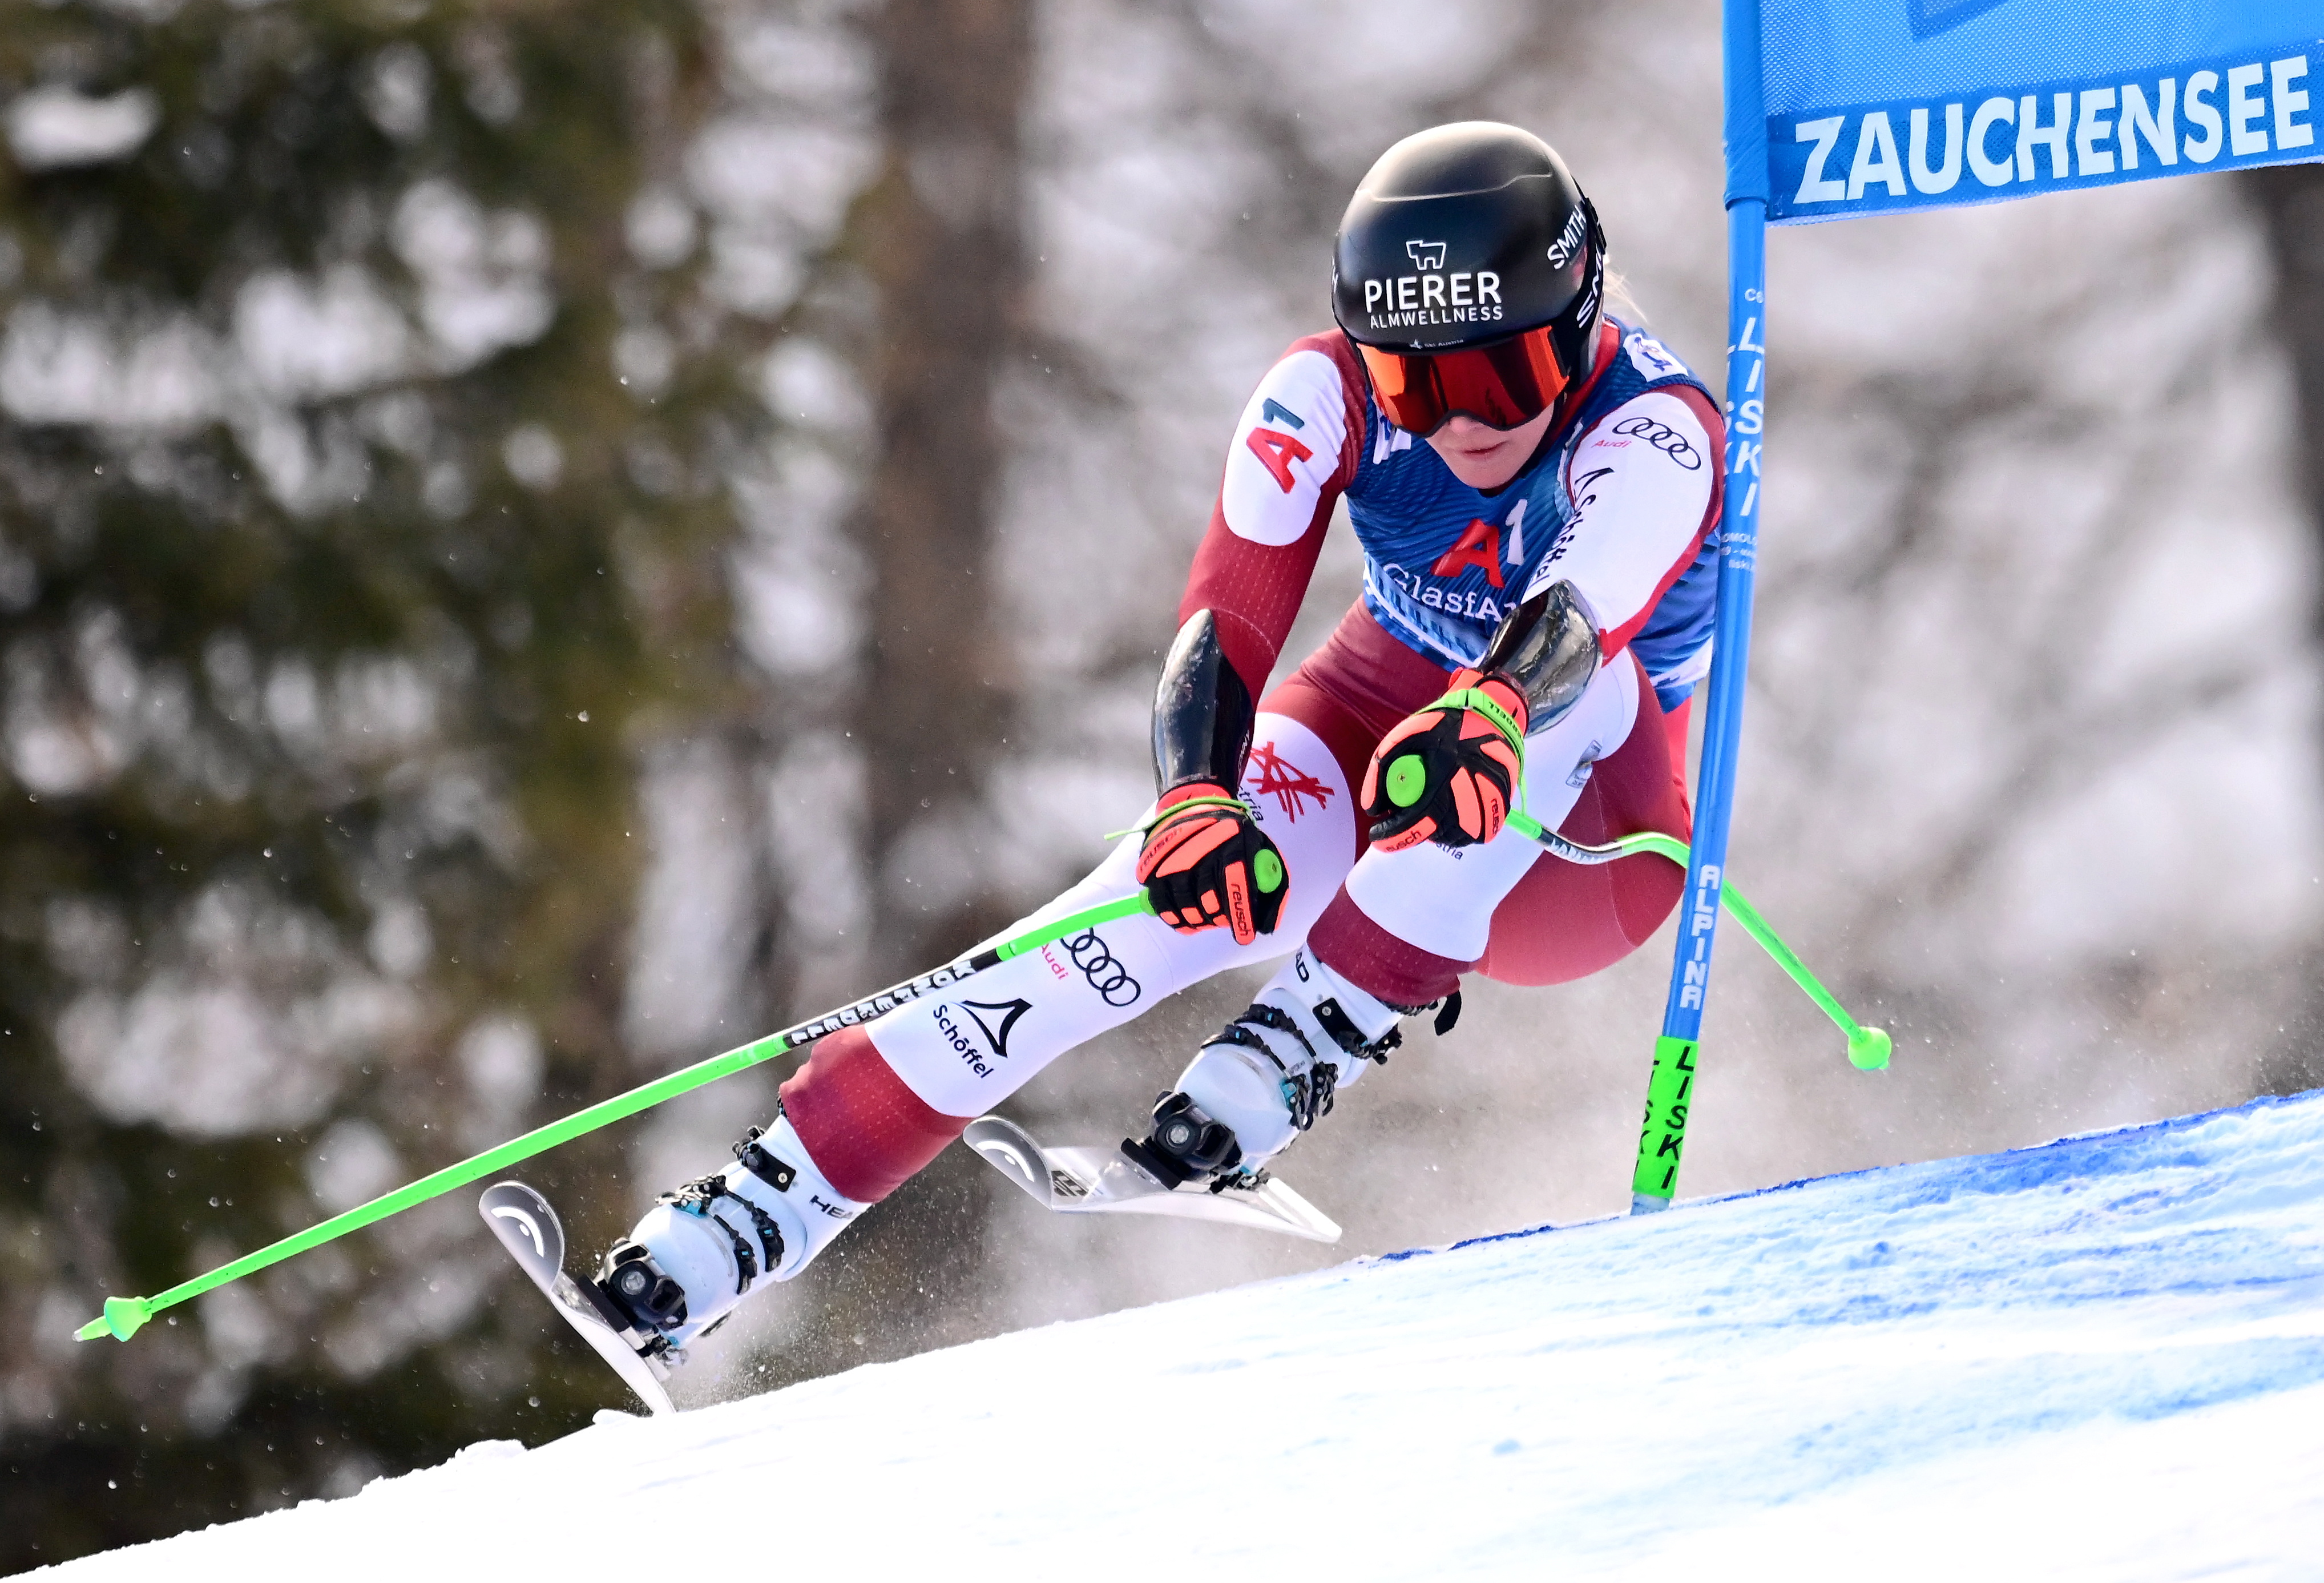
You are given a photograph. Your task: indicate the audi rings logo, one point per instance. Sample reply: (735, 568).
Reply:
(1109, 977)
(1664, 439)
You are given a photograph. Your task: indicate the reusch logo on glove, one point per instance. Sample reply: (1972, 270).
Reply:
(1206, 863)
(1447, 772)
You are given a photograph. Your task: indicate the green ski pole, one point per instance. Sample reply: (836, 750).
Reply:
(1867, 1048)
(125, 1315)
(1670, 1091)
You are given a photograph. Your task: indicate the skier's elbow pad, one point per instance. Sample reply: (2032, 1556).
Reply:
(1550, 648)
(1202, 712)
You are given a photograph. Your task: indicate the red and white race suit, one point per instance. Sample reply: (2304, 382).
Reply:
(1618, 503)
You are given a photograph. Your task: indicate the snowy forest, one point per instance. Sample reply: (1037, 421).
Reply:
(542, 539)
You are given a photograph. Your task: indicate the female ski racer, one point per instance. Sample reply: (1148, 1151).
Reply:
(1534, 484)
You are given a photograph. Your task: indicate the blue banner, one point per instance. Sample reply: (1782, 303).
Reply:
(1873, 105)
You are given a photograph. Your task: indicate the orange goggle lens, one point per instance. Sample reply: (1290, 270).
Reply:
(1501, 386)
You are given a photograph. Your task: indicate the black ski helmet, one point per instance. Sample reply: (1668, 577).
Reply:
(1466, 235)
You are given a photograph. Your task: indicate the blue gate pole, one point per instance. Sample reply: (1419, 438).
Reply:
(1670, 1092)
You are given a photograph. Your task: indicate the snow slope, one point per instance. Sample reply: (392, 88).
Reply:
(2102, 1358)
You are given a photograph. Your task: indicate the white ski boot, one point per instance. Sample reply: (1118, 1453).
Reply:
(1266, 1078)
(705, 1247)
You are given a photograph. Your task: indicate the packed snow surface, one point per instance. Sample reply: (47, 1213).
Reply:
(2100, 1358)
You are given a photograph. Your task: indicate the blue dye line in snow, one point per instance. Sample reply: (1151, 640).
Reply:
(2076, 1157)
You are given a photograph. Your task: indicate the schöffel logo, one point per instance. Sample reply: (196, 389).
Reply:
(1006, 1012)
(1425, 255)
(992, 1018)
(1931, 17)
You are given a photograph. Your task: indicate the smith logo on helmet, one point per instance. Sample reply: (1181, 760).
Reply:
(1569, 241)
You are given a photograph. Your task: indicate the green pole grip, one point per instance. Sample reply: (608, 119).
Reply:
(125, 1315)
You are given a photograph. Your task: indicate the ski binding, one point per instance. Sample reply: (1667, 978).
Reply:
(1091, 1181)
(529, 1228)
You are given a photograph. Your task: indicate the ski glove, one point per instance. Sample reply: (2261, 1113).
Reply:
(1448, 771)
(1206, 863)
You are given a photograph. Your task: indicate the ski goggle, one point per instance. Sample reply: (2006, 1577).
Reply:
(1502, 385)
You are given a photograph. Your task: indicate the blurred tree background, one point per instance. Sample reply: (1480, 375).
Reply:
(365, 486)
(540, 539)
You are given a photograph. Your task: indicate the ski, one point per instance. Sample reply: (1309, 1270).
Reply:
(529, 1228)
(1095, 1182)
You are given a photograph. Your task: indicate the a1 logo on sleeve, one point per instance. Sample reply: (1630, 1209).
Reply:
(1277, 448)
(1286, 449)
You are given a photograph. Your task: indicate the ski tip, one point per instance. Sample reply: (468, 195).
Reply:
(1010, 1150)
(511, 1207)
(526, 1224)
